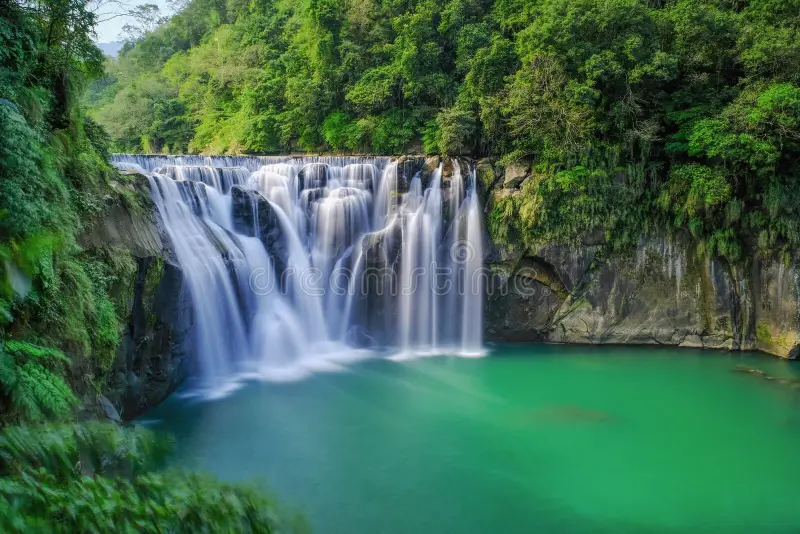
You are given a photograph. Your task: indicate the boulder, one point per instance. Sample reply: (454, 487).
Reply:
(313, 175)
(111, 413)
(253, 215)
(515, 174)
(382, 248)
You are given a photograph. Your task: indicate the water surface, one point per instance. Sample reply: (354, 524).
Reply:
(532, 438)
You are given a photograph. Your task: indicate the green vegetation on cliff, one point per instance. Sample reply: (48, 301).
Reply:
(635, 114)
(63, 307)
(54, 295)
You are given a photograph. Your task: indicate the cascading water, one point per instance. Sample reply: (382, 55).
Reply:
(280, 258)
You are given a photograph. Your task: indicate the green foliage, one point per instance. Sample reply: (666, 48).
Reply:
(67, 301)
(501, 224)
(341, 132)
(457, 131)
(392, 131)
(32, 381)
(694, 102)
(54, 184)
(568, 205)
(99, 478)
(693, 189)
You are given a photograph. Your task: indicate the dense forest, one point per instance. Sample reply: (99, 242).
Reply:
(61, 308)
(637, 115)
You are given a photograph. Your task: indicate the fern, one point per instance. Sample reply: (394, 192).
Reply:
(45, 393)
(99, 477)
(104, 448)
(28, 351)
(32, 378)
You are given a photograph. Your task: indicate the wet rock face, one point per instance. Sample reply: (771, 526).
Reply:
(776, 303)
(518, 307)
(153, 356)
(132, 228)
(382, 248)
(313, 175)
(254, 215)
(659, 292)
(377, 307)
(410, 166)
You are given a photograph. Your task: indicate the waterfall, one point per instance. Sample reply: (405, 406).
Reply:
(472, 265)
(283, 258)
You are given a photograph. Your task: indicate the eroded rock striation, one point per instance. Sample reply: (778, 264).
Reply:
(661, 291)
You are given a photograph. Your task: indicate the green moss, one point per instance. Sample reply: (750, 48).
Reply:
(501, 222)
(764, 333)
(486, 176)
(155, 272)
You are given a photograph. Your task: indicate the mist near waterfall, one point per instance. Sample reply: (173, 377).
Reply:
(295, 265)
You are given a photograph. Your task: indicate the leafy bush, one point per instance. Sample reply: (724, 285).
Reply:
(341, 132)
(651, 90)
(98, 477)
(457, 129)
(32, 379)
(54, 185)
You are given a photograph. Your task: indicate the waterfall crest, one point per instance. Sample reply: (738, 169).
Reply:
(295, 265)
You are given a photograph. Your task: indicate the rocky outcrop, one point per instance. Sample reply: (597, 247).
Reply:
(775, 304)
(661, 292)
(152, 357)
(658, 293)
(313, 175)
(515, 174)
(254, 215)
(129, 220)
(377, 309)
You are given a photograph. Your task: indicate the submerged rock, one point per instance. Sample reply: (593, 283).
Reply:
(790, 382)
(568, 413)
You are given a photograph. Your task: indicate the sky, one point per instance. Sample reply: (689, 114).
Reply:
(108, 31)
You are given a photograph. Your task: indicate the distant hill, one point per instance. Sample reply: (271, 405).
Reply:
(110, 49)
